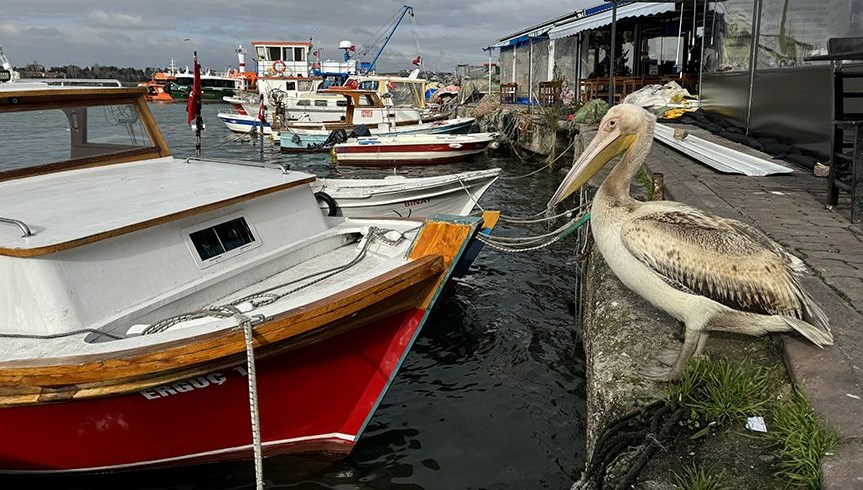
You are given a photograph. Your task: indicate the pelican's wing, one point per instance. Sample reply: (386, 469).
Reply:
(725, 260)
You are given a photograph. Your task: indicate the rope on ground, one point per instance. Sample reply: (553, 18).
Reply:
(644, 429)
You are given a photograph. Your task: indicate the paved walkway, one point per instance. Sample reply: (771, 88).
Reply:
(790, 210)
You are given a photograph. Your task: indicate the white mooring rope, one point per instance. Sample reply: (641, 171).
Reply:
(246, 323)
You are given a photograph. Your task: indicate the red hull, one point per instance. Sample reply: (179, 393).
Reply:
(315, 399)
(427, 147)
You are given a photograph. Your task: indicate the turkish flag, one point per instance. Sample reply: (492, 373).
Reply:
(193, 107)
(417, 60)
(261, 112)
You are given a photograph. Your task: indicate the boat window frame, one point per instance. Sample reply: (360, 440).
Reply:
(228, 254)
(68, 98)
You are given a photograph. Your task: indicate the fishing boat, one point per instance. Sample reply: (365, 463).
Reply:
(363, 112)
(411, 149)
(151, 307)
(399, 196)
(156, 91)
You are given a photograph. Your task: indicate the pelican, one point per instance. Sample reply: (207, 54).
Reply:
(711, 273)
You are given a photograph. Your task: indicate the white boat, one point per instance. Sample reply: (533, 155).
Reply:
(411, 149)
(151, 306)
(399, 196)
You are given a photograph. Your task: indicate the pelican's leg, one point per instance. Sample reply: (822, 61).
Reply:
(691, 340)
(702, 340)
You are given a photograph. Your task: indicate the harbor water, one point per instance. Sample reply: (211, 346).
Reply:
(490, 397)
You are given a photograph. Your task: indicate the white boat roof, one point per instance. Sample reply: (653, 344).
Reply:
(72, 208)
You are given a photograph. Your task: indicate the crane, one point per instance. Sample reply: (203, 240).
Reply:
(405, 9)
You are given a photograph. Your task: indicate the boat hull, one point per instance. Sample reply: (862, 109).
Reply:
(239, 123)
(420, 154)
(415, 198)
(302, 140)
(316, 399)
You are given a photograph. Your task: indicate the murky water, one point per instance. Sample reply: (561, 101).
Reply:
(492, 394)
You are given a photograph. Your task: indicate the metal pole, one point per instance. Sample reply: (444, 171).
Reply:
(489, 69)
(679, 41)
(753, 59)
(613, 47)
(262, 117)
(701, 56)
(529, 73)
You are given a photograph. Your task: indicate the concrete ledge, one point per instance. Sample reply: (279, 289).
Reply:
(622, 334)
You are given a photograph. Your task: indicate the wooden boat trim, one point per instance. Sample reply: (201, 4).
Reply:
(152, 361)
(13, 101)
(59, 247)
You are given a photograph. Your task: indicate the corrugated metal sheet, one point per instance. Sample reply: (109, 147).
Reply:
(719, 157)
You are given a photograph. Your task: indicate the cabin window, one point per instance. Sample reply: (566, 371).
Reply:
(217, 240)
(342, 103)
(69, 133)
(290, 86)
(368, 85)
(288, 55)
(299, 54)
(303, 102)
(320, 103)
(367, 100)
(274, 53)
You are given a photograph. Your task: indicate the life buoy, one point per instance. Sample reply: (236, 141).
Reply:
(332, 207)
(279, 66)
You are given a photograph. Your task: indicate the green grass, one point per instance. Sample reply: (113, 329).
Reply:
(723, 393)
(699, 478)
(802, 441)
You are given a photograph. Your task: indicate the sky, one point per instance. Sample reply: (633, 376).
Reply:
(149, 33)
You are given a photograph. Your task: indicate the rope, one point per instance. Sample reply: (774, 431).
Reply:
(497, 244)
(643, 428)
(472, 198)
(549, 164)
(253, 398)
(266, 296)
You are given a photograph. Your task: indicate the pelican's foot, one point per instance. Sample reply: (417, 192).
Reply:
(660, 374)
(668, 356)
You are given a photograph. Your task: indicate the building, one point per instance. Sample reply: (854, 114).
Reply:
(748, 59)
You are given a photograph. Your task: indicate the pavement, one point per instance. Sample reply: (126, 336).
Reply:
(790, 209)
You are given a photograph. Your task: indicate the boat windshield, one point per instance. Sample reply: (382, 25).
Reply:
(33, 138)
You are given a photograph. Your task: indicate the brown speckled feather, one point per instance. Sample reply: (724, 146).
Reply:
(725, 260)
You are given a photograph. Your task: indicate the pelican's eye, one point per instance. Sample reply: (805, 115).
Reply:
(612, 124)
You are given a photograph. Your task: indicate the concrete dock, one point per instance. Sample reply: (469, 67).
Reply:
(790, 209)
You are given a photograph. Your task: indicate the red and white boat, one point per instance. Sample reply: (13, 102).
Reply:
(154, 309)
(411, 149)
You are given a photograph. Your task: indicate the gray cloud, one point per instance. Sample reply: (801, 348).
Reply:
(140, 34)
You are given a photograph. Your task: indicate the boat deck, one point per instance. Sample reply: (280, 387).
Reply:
(62, 213)
(381, 256)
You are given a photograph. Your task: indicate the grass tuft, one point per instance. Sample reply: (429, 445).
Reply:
(803, 440)
(699, 478)
(722, 393)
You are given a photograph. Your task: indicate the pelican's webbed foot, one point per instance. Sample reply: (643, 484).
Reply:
(660, 373)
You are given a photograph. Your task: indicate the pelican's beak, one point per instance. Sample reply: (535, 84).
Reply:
(603, 148)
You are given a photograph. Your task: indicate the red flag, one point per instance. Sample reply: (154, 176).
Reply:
(193, 107)
(316, 53)
(261, 112)
(417, 60)
(353, 48)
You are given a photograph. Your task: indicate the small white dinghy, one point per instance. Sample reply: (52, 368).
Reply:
(399, 196)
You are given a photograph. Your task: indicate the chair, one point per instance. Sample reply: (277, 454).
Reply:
(846, 147)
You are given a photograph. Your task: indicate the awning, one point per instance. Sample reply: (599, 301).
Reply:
(521, 39)
(604, 18)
